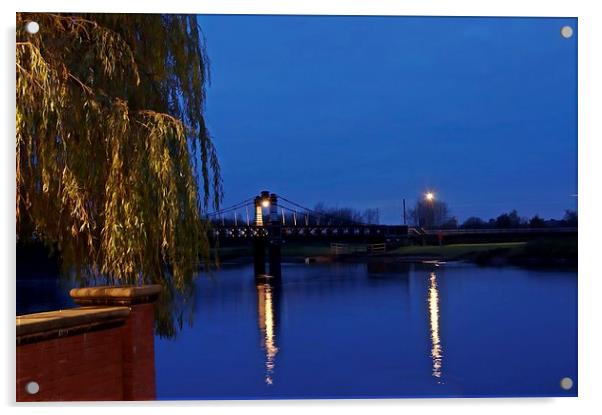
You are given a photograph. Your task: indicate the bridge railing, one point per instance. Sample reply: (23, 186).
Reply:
(339, 249)
(370, 249)
(376, 249)
(332, 231)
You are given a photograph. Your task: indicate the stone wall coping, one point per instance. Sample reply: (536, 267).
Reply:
(62, 322)
(130, 291)
(125, 294)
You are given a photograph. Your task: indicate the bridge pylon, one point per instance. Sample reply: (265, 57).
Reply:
(272, 244)
(275, 238)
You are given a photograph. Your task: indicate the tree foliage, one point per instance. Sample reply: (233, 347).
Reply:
(474, 222)
(114, 163)
(429, 214)
(537, 222)
(344, 215)
(570, 218)
(509, 220)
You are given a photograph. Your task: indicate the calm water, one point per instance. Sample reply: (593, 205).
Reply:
(354, 330)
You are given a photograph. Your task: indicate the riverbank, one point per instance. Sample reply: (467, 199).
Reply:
(549, 252)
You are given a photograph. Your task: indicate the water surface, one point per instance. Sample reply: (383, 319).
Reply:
(375, 330)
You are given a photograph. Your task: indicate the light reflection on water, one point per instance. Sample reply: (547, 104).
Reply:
(436, 349)
(267, 326)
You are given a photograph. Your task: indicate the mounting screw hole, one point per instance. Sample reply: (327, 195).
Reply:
(566, 32)
(32, 27)
(32, 388)
(566, 383)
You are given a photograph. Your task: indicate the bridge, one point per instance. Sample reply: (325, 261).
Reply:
(290, 221)
(294, 222)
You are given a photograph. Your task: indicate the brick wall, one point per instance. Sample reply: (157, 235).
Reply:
(139, 354)
(86, 366)
(90, 362)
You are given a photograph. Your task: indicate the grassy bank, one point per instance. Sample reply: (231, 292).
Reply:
(456, 251)
(552, 252)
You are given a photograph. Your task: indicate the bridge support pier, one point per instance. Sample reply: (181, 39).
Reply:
(259, 256)
(275, 259)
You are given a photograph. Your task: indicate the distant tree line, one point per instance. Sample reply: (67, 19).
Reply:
(425, 214)
(342, 215)
(436, 214)
(513, 220)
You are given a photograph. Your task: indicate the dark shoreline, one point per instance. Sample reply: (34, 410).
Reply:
(500, 261)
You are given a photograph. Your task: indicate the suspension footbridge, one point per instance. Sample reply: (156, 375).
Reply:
(269, 219)
(269, 215)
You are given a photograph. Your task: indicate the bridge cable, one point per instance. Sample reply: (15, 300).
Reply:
(320, 214)
(233, 207)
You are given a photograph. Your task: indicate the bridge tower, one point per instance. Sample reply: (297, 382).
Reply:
(259, 243)
(275, 238)
(259, 211)
(271, 244)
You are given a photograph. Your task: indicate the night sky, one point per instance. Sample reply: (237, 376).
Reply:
(365, 111)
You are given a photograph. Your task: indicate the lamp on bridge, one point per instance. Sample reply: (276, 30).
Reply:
(262, 201)
(265, 199)
(429, 196)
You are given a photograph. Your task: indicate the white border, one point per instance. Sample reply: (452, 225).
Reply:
(337, 7)
(590, 208)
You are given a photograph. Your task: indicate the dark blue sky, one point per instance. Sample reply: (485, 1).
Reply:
(363, 111)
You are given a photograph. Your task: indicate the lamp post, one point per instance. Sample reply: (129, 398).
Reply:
(404, 211)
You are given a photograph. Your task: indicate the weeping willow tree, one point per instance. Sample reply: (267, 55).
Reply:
(114, 163)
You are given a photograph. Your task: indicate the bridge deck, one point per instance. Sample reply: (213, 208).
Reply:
(343, 232)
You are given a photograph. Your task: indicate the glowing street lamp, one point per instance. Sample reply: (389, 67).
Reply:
(429, 197)
(265, 203)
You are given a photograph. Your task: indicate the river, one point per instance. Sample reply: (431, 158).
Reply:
(375, 330)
